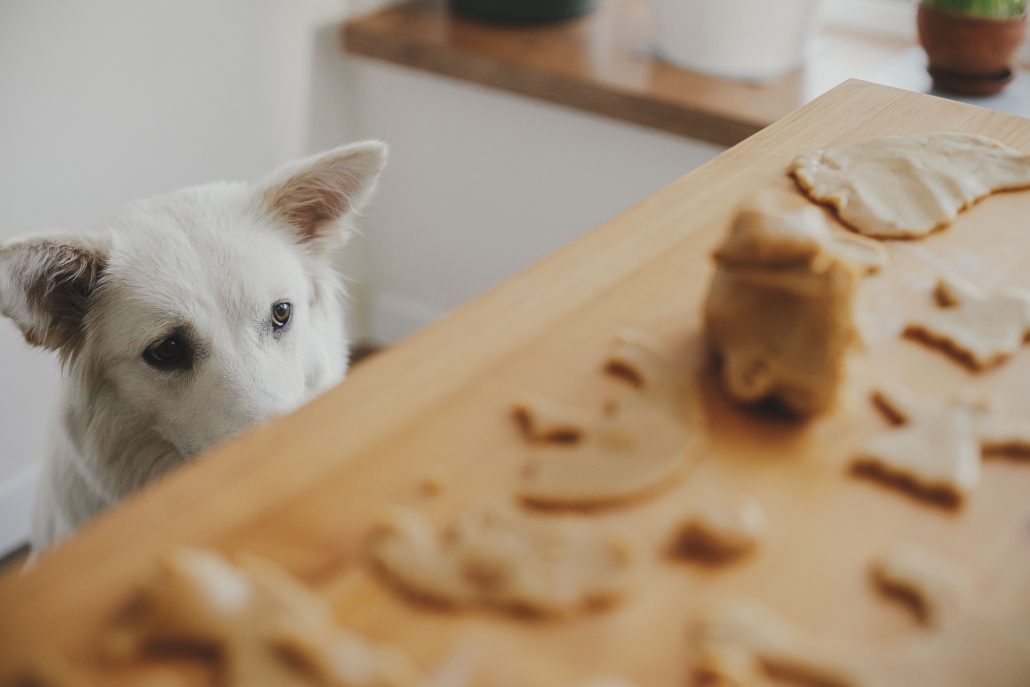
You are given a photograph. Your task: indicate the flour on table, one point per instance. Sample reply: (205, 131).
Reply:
(980, 330)
(908, 186)
(495, 557)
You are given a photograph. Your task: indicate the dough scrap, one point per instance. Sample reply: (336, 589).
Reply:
(1003, 436)
(639, 444)
(548, 566)
(545, 421)
(780, 314)
(266, 628)
(635, 359)
(908, 186)
(960, 642)
(718, 535)
(980, 330)
(932, 452)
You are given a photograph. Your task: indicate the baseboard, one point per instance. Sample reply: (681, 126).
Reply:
(17, 498)
(395, 317)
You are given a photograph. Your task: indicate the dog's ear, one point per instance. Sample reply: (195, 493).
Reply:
(46, 284)
(313, 195)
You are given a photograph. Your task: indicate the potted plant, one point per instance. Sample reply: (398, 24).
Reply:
(971, 43)
(519, 11)
(752, 40)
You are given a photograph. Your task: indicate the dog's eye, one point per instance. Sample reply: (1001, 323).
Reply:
(281, 314)
(166, 353)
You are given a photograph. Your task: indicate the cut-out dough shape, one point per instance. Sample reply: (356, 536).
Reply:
(545, 421)
(636, 360)
(550, 566)
(908, 186)
(265, 628)
(718, 535)
(781, 315)
(934, 450)
(932, 453)
(960, 641)
(980, 330)
(1003, 436)
(639, 445)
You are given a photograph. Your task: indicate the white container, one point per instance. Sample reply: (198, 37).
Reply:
(751, 40)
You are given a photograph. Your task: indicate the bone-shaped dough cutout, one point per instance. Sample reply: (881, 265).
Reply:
(716, 534)
(960, 640)
(932, 451)
(977, 329)
(638, 445)
(908, 186)
(497, 557)
(265, 627)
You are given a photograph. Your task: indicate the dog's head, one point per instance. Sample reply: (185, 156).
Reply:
(203, 311)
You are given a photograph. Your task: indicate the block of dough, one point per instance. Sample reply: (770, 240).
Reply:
(497, 557)
(980, 330)
(716, 535)
(906, 187)
(780, 315)
(262, 625)
(961, 640)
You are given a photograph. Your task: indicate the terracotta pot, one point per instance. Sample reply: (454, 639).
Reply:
(969, 55)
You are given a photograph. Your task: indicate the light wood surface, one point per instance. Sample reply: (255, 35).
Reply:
(306, 489)
(604, 63)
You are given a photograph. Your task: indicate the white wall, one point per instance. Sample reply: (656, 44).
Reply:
(481, 184)
(105, 101)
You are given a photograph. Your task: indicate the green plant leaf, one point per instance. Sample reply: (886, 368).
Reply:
(994, 9)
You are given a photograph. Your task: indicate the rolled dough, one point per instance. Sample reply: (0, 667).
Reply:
(905, 187)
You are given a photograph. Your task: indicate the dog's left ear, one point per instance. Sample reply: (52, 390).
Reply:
(47, 284)
(312, 196)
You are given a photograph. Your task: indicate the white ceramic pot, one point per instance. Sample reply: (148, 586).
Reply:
(752, 40)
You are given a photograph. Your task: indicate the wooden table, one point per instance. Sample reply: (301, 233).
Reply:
(604, 63)
(306, 489)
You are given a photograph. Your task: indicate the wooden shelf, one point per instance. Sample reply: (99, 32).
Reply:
(602, 63)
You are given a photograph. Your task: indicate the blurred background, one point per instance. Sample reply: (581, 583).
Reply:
(508, 140)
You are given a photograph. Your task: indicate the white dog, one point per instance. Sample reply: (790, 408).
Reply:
(190, 317)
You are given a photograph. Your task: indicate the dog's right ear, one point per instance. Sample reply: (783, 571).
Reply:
(312, 196)
(46, 285)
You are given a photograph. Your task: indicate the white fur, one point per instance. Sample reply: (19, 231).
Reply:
(213, 259)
